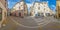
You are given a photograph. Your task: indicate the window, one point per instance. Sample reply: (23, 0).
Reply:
(39, 4)
(4, 14)
(39, 8)
(5, 4)
(21, 5)
(44, 9)
(5, 0)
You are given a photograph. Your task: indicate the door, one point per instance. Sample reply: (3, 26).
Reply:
(0, 14)
(19, 14)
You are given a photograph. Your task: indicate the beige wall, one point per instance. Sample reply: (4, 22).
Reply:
(23, 8)
(3, 5)
(58, 9)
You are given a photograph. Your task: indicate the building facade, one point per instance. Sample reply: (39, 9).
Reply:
(58, 9)
(20, 9)
(40, 8)
(3, 11)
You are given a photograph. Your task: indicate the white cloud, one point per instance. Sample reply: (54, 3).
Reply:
(37, 0)
(29, 5)
(53, 7)
(8, 2)
(11, 4)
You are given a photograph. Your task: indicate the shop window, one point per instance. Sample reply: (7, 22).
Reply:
(47, 14)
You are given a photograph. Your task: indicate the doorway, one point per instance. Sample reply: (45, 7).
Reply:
(0, 14)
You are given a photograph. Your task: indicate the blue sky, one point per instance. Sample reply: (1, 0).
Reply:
(51, 3)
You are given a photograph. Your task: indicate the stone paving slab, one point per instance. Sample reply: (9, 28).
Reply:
(13, 26)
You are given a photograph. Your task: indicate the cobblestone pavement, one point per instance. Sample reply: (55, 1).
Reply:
(31, 23)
